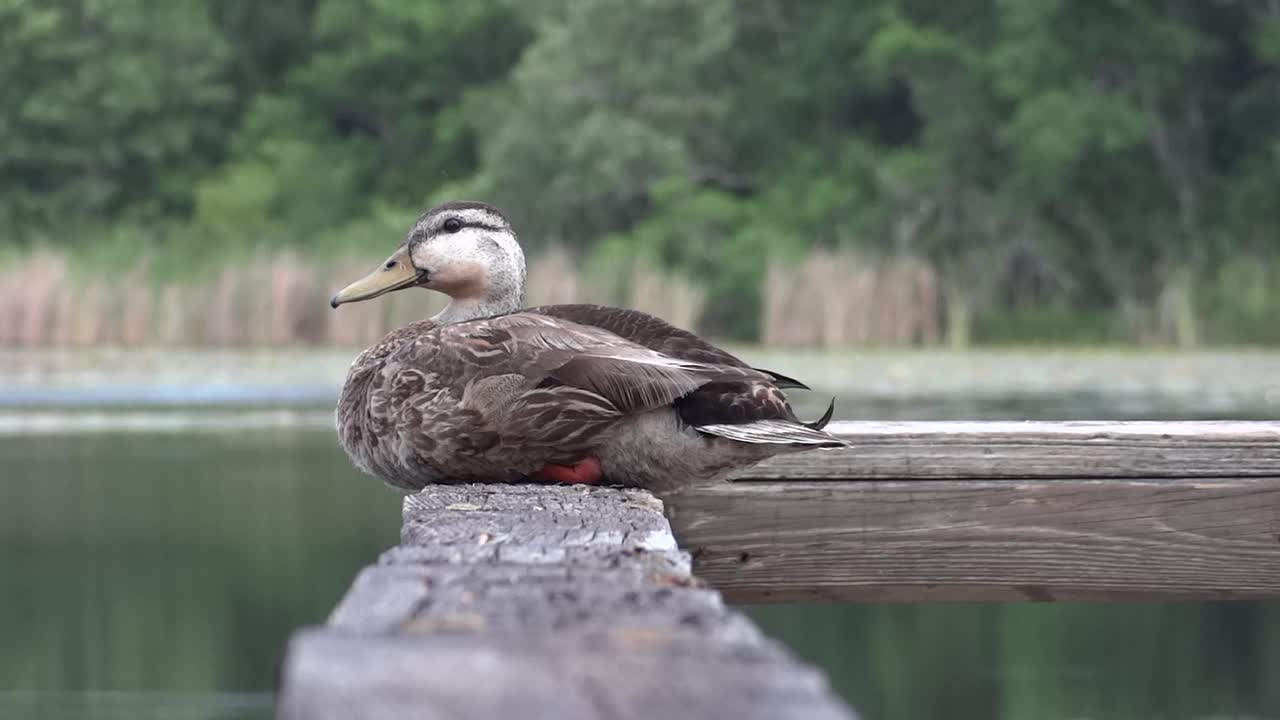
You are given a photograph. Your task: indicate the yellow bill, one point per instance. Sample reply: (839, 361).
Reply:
(396, 273)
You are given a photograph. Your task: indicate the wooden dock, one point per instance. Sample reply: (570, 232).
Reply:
(563, 603)
(999, 511)
(534, 601)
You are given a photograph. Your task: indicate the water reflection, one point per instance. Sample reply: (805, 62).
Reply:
(135, 705)
(173, 562)
(157, 573)
(1058, 660)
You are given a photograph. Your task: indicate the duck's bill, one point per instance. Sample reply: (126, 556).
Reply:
(394, 274)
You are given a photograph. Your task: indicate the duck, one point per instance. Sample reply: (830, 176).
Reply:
(487, 390)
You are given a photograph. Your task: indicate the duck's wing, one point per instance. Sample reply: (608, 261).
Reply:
(531, 389)
(528, 384)
(654, 333)
(552, 352)
(713, 407)
(642, 329)
(513, 393)
(753, 412)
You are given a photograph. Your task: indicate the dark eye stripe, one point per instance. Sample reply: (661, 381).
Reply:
(474, 224)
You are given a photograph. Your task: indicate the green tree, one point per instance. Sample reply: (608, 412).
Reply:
(367, 120)
(109, 110)
(1101, 168)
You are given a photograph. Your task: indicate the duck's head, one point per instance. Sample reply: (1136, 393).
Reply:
(466, 250)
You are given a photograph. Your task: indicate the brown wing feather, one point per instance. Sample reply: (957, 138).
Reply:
(735, 401)
(642, 329)
(630, 376)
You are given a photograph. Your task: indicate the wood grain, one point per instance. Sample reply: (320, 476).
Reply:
(523, 601)
(995, 450)
(944, 540)
(556, 602)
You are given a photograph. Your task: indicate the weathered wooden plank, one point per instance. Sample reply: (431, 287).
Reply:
(541, 602)
(932, 540)
(995, 450)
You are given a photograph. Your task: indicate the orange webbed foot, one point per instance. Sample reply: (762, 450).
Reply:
(583, 472)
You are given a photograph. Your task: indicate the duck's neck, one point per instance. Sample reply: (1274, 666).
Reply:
(464, 309)
(501, 290)
(503, 293)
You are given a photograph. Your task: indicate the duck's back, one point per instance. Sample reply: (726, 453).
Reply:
(715, 404)
(643, 329)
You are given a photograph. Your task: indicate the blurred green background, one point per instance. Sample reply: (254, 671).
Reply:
(968, 171)
(979, 209)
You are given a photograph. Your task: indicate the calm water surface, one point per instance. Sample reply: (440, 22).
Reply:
(153, 561)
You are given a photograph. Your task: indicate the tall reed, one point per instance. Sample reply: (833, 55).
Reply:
(829, 299)
(273, 300)
(843, 299)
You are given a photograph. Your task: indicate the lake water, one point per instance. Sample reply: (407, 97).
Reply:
(166, 520)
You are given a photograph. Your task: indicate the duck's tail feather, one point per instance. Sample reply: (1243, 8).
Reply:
(826, 417)
(783, 381)
(773, 432)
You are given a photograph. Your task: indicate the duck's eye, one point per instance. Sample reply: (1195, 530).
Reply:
(452, 225)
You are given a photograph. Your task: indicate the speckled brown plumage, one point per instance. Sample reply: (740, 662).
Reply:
(739, 401)
(498, 397)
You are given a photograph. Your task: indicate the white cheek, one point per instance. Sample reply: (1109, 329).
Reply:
(455, 264)
(448, 253)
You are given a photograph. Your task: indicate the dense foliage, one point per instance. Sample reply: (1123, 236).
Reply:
(1088, 171)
